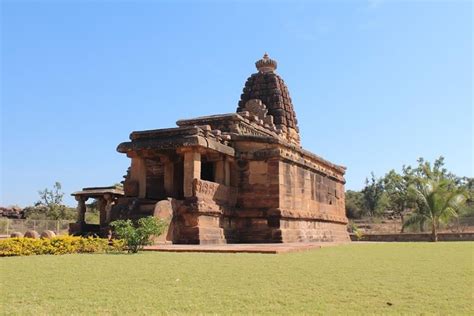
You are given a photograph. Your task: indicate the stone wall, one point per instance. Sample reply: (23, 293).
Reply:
(258, 189)
(307, 194)
(258, 184)
(311, 206)
(279, 201)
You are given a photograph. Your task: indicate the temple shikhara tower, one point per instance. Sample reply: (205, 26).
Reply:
(230, 178)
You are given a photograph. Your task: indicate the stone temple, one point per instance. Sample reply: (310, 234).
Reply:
(230, 178)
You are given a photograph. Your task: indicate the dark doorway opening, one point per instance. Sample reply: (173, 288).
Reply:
(207, 171)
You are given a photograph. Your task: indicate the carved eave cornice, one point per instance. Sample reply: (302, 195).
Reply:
(164, 133)
(243, 123)
(208, 120)
(234, 125)
(312, 161)
(174, 138)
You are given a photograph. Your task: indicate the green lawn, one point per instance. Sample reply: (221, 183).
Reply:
(413, 278)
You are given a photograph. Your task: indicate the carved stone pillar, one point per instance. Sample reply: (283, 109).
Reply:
(192, 170)
(227, 172)
(219, 174)
(109, 199)
(138, 174)
(81, 209)
(101, 203)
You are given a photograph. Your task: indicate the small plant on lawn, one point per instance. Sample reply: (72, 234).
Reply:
(359, 234)
(356, 231)
(138, 235)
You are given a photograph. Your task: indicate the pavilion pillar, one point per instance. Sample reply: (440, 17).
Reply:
(138, 174)
(192, 170)
(109, 200)
(81, 209)
(101, 203)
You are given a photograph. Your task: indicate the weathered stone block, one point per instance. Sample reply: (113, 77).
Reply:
(258, 172)
(32, 234)
(48, 234)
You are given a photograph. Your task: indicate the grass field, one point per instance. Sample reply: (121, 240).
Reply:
(414, 278)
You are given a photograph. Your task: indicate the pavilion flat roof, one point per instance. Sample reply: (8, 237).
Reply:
(99, 191)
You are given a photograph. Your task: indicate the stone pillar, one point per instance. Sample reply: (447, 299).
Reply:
(109, 199)
(219, 172)
(101, 203)
(81, 208)
(192, 170)
(169, 178)
(138, 174)
(227, 172)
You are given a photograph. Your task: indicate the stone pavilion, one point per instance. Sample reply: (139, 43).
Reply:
(230, 178)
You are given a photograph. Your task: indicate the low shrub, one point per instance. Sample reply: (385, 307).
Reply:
(137, 235)
(57, 246)
(359, 234)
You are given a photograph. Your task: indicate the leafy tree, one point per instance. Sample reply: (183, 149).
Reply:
(354, 204)
(436, 172)
(138, 236)
(53, 201)
(372, 194)
(395, 192)
(437, 202)
(383, 203)
(51, 197)
(50, 205)
(467, 185)
(396, 188)
(424, 170)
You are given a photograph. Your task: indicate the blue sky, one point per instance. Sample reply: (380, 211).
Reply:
(375, 84)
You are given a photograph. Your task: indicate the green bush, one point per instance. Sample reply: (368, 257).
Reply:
(57, 246)
(137, 236)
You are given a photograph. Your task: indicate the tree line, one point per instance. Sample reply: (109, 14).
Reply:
(50, 206)
(426, 195)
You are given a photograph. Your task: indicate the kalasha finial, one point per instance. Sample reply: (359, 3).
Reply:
(266, 64)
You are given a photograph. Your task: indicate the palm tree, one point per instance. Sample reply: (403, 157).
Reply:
(438, 201)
